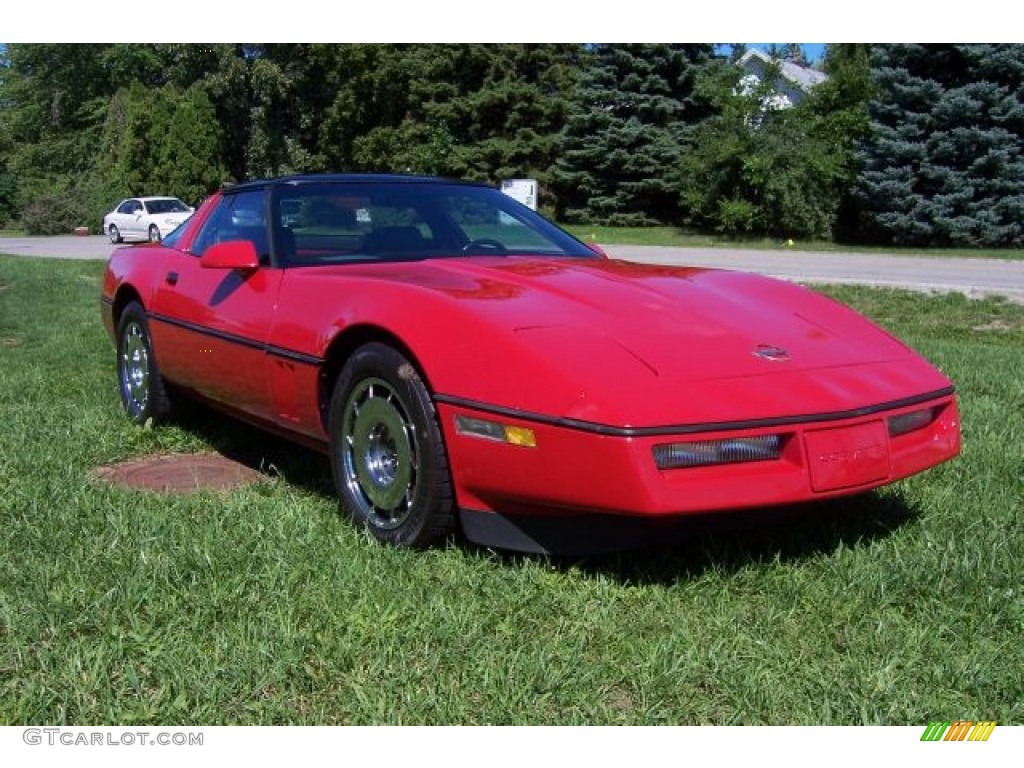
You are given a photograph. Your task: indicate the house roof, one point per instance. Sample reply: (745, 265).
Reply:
(804, 78)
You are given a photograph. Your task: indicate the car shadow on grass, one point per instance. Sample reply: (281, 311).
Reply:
(258, 449)
(724, 542)
(728, 542)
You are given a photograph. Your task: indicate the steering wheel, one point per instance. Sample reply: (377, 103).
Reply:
(485, 244)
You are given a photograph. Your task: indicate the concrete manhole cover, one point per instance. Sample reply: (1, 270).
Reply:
(179, 473)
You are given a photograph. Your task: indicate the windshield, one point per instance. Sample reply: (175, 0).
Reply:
(166, 205)
(331, 223)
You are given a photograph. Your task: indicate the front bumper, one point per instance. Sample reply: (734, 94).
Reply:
(574, 470)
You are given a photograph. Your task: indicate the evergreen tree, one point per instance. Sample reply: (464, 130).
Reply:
(95, 123)
(945, 163)
(485, 112)
(90, 124)
(624, 140)
(156, 141)
(188, 162)
(49, 97)
(8, 185)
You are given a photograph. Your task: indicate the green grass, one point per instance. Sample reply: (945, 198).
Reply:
(264, 606)
(680, 238)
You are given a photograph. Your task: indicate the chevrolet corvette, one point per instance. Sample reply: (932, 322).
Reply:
(467, 366)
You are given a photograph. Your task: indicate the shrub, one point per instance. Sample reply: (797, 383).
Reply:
(53, 216)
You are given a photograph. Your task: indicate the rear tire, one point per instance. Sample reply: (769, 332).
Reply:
(140, 385)
(387, 451)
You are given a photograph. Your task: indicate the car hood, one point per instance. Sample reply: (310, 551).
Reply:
(637, 344)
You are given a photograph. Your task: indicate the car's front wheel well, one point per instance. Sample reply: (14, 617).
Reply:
(342, 347)
(125, 296)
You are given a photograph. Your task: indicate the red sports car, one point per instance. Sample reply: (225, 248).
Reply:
(468, 365)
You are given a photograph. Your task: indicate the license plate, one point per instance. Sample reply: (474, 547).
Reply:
(844, 457)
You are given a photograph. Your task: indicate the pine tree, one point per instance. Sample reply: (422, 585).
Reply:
(625, 138)
(945, 163)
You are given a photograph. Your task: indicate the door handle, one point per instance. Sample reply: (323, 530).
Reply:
(172, 278)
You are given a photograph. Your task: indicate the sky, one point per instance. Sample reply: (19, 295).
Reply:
(813, 51)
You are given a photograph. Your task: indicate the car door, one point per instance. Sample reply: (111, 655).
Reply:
(213, 323)
(134, 221)
(123, 218)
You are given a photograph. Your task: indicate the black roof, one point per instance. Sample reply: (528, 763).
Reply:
(349, 178)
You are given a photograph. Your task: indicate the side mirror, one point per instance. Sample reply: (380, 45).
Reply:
(232, 254)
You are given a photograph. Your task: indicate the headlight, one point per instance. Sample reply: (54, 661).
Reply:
(733, 450)
(908, 422)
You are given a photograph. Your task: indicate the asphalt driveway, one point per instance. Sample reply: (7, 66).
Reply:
(975, 277)
(58, 247)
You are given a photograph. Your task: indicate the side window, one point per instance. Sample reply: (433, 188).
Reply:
(237, 217)
(126, 207)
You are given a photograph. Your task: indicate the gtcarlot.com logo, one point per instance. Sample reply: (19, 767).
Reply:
(81, 737)
(960, 730)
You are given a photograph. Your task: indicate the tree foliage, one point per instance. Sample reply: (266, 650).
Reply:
(633, 107)
(8, 184)
(755, 168)
(91, 124)
(945, 163)
(620, 134)
(484, 112)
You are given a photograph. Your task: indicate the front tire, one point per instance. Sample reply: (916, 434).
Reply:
(154, 234)
(388, 458)
(115, 234)
(142, 390)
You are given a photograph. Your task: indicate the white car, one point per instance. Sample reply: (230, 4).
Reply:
(145, 218)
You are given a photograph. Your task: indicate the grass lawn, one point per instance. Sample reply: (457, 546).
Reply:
(264, 606)
(679, 238)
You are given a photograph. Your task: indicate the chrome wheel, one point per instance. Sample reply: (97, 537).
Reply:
(115, 235)
(134, 370)
(139, 382)
(380, 461)
(154, 234)
(388, 458)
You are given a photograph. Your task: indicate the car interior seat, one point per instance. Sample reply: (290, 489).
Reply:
(400, 239)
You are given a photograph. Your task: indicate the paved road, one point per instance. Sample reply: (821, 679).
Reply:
(976, 277)
(60, 247)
